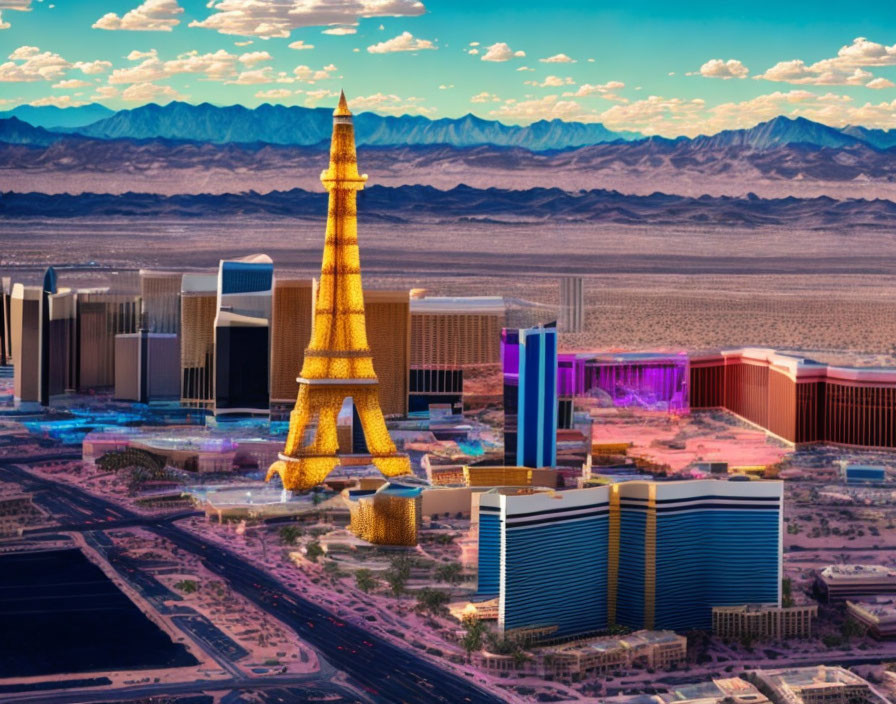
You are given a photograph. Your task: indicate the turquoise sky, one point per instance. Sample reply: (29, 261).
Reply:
(657, 67)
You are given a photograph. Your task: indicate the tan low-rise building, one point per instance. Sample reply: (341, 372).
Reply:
(841, 582)
(478, 476)
(16, 511)
(877, 615)
(764, 621)
(653, 649)
(730, 690)
(814, 685)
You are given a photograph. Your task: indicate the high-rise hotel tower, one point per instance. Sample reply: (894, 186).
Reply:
(642, 554)
(338, 363)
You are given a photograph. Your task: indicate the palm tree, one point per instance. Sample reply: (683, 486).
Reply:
(365, 580)
(450, 573)
(472, 639)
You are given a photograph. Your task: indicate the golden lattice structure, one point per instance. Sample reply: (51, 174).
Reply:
(338, 362)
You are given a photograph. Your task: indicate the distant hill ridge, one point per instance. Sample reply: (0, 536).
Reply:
(466, 204)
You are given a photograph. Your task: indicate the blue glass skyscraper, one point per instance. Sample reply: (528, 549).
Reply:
(640, 554)
(530, 397)
(242, 336)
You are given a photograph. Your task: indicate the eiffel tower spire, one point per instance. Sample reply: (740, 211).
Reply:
(338, 362)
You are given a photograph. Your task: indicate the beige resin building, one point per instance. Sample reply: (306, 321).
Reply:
(454, 332)
(160, 294)
(387, 314)
(765, 622)
(291, 321)
(197, 344)
(25, 318)
(101, 316)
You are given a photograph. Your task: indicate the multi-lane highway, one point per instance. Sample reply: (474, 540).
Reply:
(383, 670)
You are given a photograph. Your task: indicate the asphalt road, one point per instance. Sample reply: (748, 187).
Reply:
(386, 672)
(145, 691)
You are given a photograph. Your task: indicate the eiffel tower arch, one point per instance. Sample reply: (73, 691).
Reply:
(338, 362)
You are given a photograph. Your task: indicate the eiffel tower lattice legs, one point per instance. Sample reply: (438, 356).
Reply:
(303, 466)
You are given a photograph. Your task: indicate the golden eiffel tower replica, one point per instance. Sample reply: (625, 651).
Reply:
(338, 362)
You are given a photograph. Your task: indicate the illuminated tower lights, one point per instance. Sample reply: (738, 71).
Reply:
(338, 363)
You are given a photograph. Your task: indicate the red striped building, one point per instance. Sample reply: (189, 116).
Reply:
(799, 400)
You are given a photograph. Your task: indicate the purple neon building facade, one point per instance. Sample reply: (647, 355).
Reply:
(657, 382)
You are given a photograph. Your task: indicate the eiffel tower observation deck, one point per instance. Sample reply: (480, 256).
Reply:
(338, 362)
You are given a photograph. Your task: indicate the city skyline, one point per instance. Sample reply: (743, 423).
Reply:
(653, 69)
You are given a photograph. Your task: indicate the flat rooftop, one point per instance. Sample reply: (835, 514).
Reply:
(856, 572)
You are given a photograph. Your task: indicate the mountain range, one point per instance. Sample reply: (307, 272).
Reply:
(191, 149)
(51, 116)
(294, 125)
(465, 204)
(733, 162)
(301, 126)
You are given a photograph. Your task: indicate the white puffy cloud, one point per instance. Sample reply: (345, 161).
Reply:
(389, 104)
(446, 86)
(485, 97)
(655, 115)
(244, 43)
(558, 59)
(473, 52)
(71, 83)
(254, 77)
(60, 101)
(675, 116)
(254, 57)
(274, 93)
(821, 73)
(880, 83)
(403, 42)
(137, 55)
(277, 18)
(17, 5)
(151, 16)
(91, 68)
(827, 108)
(307, 74)
(29, 63)
(604, 90)
(865, 53)
(719, 68)
(105, 93)
(525, 68)
(551, 82)
(501, 51)
(145, 92)
(341, 31)
(313, 97)
(300, 45)
(220, 65)
(845, 69)
(549, 107)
